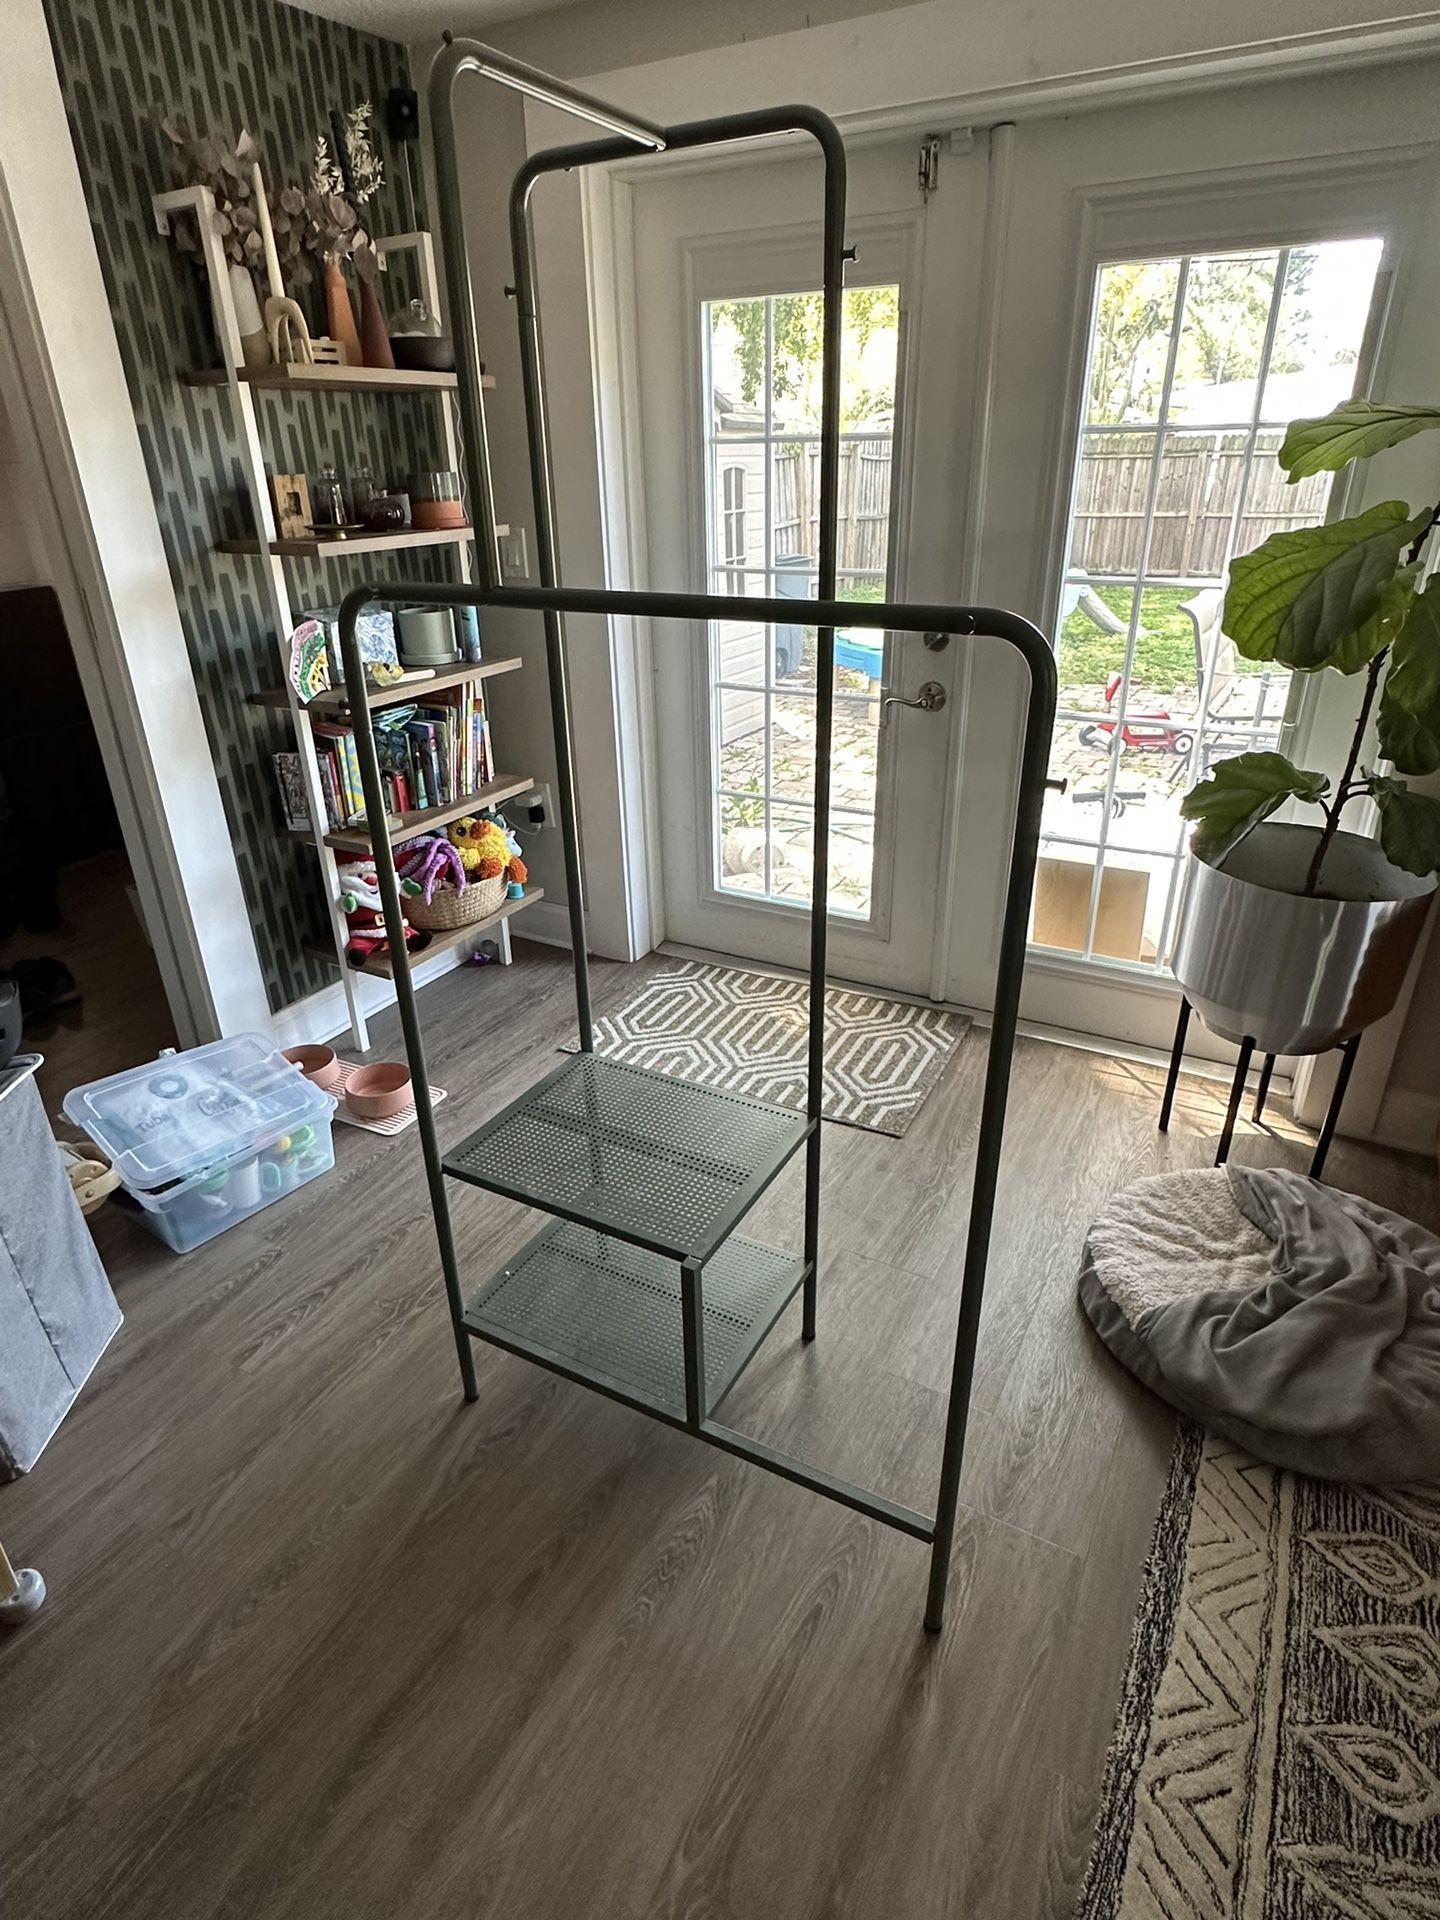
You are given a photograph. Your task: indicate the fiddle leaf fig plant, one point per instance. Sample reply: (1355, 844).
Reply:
(1350, 597)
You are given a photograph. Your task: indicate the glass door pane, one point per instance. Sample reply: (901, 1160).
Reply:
(762, 419)
(1195, 366)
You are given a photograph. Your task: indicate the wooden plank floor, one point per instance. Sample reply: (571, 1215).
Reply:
(321, 1641)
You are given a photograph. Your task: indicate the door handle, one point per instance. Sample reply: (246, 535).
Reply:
(930, 699)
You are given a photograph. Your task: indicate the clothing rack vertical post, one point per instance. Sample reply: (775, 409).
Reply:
(641, 1288)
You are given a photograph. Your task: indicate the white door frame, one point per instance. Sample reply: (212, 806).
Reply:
(69, 408)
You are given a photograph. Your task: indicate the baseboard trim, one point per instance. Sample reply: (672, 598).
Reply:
(326, 1014)
(1408, 1121)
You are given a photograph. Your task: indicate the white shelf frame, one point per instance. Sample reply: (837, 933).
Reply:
(198, 202)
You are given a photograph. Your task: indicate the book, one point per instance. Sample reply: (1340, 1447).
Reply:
(294, 801)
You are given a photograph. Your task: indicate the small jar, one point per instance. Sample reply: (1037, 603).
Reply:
(436, 504)
(419, 343)
(382, 513)
(363, 487)
(327, 500)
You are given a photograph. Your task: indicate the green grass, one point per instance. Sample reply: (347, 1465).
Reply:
(1164, 646)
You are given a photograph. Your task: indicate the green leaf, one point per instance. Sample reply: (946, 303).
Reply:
(1355, 430)
(1410, 740)
(1239, 794)
(1409, 827)
(1414, 678)
(1359, 648)
(1299, 595)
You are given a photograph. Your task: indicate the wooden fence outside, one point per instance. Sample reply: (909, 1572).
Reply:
(1200, 478)
(864, 529)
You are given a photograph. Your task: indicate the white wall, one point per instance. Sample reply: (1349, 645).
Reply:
(753, 52)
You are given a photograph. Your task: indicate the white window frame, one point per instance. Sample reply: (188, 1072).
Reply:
(1377, 193)
(1266, 730)
(754, 269)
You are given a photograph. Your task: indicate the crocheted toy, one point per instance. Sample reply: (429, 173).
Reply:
(360, 903)
(423, 864)
(487, 849)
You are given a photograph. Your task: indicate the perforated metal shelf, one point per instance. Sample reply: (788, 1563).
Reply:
(609, 1314)
(655, 1161)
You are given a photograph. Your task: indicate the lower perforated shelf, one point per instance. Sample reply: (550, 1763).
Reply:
(609, 1313)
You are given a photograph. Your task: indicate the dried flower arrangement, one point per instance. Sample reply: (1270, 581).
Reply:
(367, 169)
(224, 166)
(318, 222)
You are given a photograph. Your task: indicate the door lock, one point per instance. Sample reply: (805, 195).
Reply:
(930, 699)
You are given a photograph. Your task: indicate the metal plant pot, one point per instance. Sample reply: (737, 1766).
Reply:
(1260, 961)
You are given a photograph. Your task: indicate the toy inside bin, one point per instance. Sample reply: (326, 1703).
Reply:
(204, 1139)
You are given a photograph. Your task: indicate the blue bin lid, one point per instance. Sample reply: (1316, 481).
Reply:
(185, 1112)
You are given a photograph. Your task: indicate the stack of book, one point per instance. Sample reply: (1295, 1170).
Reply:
(431, 755)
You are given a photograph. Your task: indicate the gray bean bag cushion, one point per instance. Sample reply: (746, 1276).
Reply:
(1300, 1322)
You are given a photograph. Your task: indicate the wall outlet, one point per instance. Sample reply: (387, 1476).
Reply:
(514, 555)
(538, 809)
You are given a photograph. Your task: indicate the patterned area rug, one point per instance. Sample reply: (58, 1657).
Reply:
(747, 1033)
(1277, 1753)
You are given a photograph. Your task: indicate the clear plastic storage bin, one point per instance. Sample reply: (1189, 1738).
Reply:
(203, 1139)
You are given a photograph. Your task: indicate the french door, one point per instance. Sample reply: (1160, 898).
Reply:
(1181, 280)
(729, 316)
(1172, 283)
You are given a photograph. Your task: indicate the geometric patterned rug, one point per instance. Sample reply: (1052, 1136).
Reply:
(746, 1032)
(1277, 1752)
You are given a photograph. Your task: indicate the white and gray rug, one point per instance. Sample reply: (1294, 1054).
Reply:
(746, 1032)
(1277, 1753)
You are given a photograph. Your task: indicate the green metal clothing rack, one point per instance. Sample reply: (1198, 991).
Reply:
(641, 1287)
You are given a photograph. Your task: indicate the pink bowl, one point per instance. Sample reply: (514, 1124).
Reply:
(319, 1065)
(379, 1092)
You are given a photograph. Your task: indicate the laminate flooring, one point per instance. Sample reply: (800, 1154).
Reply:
(122, 1017)
(322, 1641)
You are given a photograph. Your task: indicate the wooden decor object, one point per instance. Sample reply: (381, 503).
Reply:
(290, 496)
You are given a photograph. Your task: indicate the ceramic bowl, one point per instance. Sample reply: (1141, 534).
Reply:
(319, 1065)
(379, 1092)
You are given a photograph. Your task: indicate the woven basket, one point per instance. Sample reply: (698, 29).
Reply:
(449, 910)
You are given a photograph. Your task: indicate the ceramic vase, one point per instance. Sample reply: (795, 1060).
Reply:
(254, 342)
(340, 315)
(374, 334)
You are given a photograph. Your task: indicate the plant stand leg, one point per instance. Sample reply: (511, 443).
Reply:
(1177, 1054)
(1237, 1088)
(1263, 1088)
(812, 1235)
(1337, 1100)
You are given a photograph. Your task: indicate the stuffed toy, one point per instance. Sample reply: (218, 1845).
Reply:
(360, 903)
(423, 864)
(488, 849)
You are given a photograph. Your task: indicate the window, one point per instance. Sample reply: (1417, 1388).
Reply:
(1195, 366)
(732, 515)
(762, 420)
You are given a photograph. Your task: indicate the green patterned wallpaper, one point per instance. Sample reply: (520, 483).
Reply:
(277, 71)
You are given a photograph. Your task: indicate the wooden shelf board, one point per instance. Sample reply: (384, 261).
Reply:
(293, 377)
(357, 543)
(380, 966)
(428, 819)
(334, 701)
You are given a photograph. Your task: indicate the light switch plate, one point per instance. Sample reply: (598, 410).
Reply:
(514, 555)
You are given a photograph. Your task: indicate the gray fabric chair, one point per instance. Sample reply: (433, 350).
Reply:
(57, 1313)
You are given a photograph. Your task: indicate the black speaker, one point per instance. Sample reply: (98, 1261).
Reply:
(402, 114)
